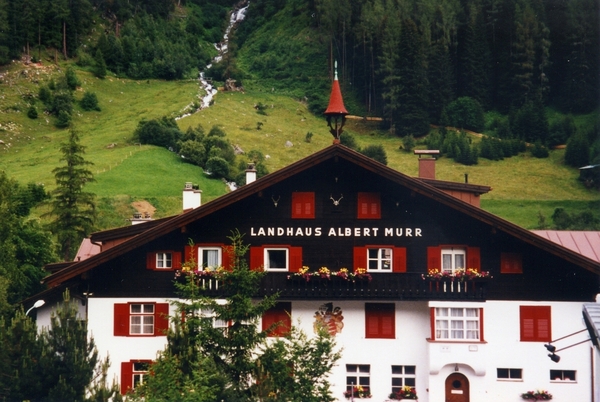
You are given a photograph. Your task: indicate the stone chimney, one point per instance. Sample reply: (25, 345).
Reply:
(191, 197)
(251, 173)
(427, 164)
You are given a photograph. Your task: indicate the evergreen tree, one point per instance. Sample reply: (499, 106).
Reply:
(577, 153)
(412, 118)
(73, 209)
(99, 65)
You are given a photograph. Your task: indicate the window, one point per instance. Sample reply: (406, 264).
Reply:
(403, 376)
(278, 319)
(509, 373)
(133, 373)
(163, 260)
(563, 375)
(457, 324)
(535, 323)
(303, 205)
(369, 206)
(209, 256)
(511, 263)
(358, 375)
(276, 258)
(141, 319)
(210, 314)
(380, 320)
(380, 258)
(451, 258)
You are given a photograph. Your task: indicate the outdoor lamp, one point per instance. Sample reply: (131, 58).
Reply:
(551, 348)
(37, 304)
(554, 358)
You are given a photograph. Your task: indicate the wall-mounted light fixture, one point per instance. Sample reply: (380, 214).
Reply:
(37, 304)
(552, 349)
(456, 367)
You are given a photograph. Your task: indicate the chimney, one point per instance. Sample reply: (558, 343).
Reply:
(138, 218)
(191, 196)
(250, 173)
(427, 165)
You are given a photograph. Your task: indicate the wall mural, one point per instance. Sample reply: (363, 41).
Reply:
(330, 318)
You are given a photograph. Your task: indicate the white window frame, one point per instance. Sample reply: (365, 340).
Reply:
(563, 376)
(451, 264)
(512, 374)
(137, 376)
(164, 260)
(382, 262)
(142, 320)
(209, 313)
(267, 260)
(403, 373)
(201, 258)
(456, 324)
(362, 372)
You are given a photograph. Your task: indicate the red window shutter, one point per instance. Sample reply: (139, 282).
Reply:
(191, 253)
(536, 323)
(380, 320)
(369, 206)
(227, 257)
(256, 258)
(303, 205)
(434, 257)
(399, 259)
(432, 321)
(126, 377)
(161, 319)
(473, 258)
(121, 319)
(511, 263)
(176, 260)
(295, 259)
(280, 314)
(360, 257)
(151, 261)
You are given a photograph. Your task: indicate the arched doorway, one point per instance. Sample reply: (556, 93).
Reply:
(457, 388)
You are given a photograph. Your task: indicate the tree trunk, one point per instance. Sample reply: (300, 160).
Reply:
(65, 39)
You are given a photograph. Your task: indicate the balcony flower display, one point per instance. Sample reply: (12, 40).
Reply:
(304, 273)
(358, 392)
(459, 275)
(538, 395)
(405, 392)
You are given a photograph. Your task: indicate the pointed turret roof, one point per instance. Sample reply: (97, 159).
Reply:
(336, 102)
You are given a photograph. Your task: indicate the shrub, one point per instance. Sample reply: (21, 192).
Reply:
(45, 95)
(62, 101)
(491, 148)
(32, 112)
(193, 152)
(561, 131)
(89, 101)
(218, 167)
(157, 132)
(466, 112)
(408, 142)
(308, 137)
(539, 150)
(577, 153)
(348, 140)
(375, 152)
(64, 119)
(71, 79)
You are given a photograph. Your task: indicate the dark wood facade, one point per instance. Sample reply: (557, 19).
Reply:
(414, 216)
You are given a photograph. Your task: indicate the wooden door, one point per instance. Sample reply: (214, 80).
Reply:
(457, 388)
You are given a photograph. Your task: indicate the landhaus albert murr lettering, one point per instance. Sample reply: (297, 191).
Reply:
(334, 232)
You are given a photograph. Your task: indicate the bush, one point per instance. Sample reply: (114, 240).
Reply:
(62, 101)
(491, 148)
(561, 131)
(71, 79)
(64, 119)
(348, 140)
(577, 153)
(467, 113)
(308, 137)
(193, 152)
(32, 112)
(539, 150)
(45, 95)
(375, 152)
(89, 101)
(218, 167)
(408, 142)
(157, 132)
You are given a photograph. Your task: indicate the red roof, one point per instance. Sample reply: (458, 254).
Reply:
(586, 243)
(336, 102)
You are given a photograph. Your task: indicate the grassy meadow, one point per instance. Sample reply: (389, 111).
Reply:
(126, 172)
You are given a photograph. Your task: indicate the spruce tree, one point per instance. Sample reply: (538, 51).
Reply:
(73, 209)
(412, 117)
(99, 65)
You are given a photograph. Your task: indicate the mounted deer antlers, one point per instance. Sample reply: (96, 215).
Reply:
(336, 202)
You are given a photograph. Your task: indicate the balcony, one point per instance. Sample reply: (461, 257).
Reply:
(405, 286)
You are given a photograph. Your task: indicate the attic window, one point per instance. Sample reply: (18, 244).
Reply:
(303, 205)
(369, 206)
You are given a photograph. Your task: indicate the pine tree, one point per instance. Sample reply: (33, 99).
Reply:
(73, 209)
(99, 65)
(412, 118)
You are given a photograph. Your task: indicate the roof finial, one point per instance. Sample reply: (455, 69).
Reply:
(335, 69)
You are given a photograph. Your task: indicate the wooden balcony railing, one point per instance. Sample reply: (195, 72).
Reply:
(401, 286)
